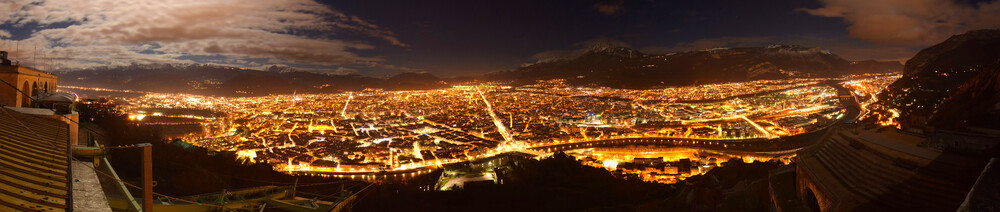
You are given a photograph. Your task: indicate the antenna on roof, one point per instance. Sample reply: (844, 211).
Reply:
(45, 61)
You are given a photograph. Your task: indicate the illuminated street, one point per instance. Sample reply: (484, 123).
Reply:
(401, 131)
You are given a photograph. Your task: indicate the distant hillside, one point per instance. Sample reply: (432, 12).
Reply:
(947, 78)
(975, 103)
(605, 66)
(230, 81)
(626, 68)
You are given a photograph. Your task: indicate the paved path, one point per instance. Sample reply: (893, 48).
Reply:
(87, 192)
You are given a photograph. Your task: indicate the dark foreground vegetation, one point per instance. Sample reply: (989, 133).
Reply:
(561, 183)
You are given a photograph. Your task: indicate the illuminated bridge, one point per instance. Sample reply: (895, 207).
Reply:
(755, 145)
(786, 144)
(780, 145)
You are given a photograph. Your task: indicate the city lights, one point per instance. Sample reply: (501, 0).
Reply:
(378, 131)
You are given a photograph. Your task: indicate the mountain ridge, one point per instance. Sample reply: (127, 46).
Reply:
(936, 73)
(612, 66)
(621, 67)
(947, 85)
(232, 81)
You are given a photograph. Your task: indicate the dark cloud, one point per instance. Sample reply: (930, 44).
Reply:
(708, 43)
(582, 47)
(847, 48)
(909, 22)
(609, 9)
(344, 71)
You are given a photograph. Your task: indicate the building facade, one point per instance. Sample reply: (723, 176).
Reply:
(22, 84)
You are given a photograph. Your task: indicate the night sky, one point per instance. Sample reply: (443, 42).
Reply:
(449, 38)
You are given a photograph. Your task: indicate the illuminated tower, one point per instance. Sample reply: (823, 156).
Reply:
(416, 150)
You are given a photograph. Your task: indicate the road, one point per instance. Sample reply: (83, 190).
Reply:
(775, 145)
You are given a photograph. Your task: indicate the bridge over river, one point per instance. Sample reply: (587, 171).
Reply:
(782, 145)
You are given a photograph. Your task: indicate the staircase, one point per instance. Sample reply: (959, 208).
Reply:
(878, 180)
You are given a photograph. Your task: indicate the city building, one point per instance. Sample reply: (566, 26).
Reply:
(34, 92)
(23, 84)
(38, 130)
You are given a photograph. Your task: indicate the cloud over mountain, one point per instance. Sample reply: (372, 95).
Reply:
(848, 48)
(909, 22)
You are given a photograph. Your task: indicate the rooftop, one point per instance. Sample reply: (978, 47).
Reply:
(35, 164)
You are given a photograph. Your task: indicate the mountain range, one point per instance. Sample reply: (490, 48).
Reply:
(952, 84)
(616, 67)
(621, 67)
(975, 103)
(230, 81)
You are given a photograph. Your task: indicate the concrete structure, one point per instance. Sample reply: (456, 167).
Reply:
(29, 83)
(23, 89)
(72, 119)
(35, 164)
(979, 140)
(984, 195)
(87, 192)
(853, 169)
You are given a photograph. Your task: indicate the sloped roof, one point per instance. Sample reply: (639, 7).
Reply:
(33, 163)
(60, 97)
